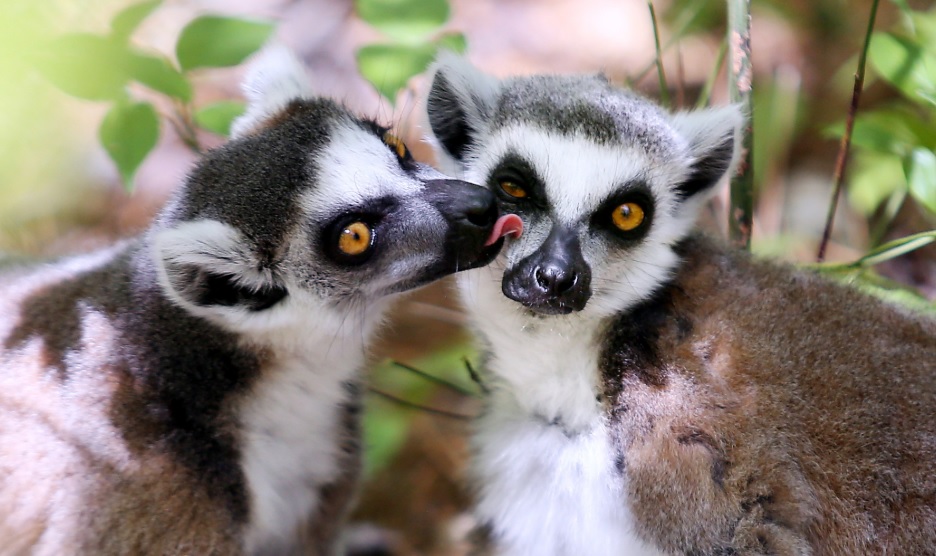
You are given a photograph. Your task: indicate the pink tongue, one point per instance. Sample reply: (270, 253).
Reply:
(509, 224)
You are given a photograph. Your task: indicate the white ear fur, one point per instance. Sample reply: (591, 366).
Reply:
(706, 130)
(185, 253)
(458, 106)
(276, 78)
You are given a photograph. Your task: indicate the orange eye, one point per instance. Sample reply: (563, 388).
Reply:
(627, 216)
(354, 239)
(396, 144)
(513, 189)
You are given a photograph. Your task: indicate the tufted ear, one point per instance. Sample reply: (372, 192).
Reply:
(711, 136)
(275, 78)
(461, 99)
(206, 265)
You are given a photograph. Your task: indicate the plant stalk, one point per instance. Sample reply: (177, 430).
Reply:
(740, 84)
(842, 158)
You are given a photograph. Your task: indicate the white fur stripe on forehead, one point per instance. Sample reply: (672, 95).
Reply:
(275, 78)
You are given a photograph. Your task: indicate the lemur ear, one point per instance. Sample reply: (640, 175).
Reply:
(207, 265)
(711, 136)
(460, 101)
(276, 77)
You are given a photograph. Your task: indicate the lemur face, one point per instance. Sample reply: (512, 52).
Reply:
(310, 206)
(605, 181)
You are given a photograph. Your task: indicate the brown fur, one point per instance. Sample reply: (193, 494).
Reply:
(764, 410)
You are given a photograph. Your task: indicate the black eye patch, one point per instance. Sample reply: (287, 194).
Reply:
(626, 214)
(516, 182)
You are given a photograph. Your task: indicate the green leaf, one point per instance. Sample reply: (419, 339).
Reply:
(874, 178)
(217, 117)
(158, 74)
(904, 64)
(920, 169)
(128, 133)
(456, 42)
(385, 429)
(87, 66)
(127, 20)
(390, 66)
(213, 41)
(405, 20)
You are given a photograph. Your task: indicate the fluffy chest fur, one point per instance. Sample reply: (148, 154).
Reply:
(544, 460)
(299, 435)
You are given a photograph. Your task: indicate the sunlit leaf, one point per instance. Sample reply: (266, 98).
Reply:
(874, 177)
(128, 133)
(385, 428)
(212, 41)
(904, 64)
(86, 66)
(920, 169)
(390, 66)
(159, 74)
(404, 20)
(456, 42)
(218, 117)
(127, 20)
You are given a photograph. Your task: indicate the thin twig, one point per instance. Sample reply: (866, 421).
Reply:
(741, 212)
(845, 144)
(416, 406)
(476, 377)
(661, 75)
(674, 38)
(435, 379)
(185, 127)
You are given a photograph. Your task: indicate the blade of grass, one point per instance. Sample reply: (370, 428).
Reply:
(706, 94)
(661, 75)
(839, 172)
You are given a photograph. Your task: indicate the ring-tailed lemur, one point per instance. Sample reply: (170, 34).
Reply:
(655, 393)
(197, 390)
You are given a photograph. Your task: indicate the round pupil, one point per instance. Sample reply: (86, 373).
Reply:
(355, 238)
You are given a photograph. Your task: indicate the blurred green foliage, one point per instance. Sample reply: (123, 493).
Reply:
(894, 144)
(102, 67)
(415, 30)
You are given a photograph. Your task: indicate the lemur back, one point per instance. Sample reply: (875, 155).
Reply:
(197, 390)
(654, 392)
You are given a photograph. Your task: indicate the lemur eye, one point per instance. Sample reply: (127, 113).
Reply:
(628, 216)
(355, 239)
(396, 144)
(513, 189)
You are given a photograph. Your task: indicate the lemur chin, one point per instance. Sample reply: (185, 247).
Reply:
(197, 390)
(655, 392)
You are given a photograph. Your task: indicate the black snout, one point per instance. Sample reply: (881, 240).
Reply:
(470, 211)
(464, 204)
(555, 279)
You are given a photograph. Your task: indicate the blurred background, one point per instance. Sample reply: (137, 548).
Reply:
(61, 190)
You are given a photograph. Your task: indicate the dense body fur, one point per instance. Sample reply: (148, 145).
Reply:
(652, 392)
(196, 390)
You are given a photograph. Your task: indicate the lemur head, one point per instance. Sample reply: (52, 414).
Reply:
(606, 182)
(310, 211)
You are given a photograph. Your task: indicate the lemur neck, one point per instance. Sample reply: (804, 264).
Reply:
(548, 369)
